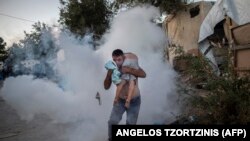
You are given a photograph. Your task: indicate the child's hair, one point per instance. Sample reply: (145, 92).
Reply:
(117, 52)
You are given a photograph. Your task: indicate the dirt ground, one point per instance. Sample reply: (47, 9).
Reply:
(12, 128)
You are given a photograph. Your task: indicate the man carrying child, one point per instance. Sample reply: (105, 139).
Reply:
(121, 101)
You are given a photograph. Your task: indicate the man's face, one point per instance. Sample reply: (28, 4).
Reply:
(118, 60)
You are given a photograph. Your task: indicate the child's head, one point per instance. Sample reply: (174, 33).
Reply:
(118, 57)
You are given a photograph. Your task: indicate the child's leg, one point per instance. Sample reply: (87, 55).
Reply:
(118, 90)
(130, 92)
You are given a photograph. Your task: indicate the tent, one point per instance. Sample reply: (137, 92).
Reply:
(237, 10)
(183, 28)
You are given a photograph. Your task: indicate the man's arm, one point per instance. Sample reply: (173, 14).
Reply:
(108, 80)
(136, 72)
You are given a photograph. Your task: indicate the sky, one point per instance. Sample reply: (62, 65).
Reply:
(12, 30)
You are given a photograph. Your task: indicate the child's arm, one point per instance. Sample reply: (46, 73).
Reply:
(118, 90)
(130, 92)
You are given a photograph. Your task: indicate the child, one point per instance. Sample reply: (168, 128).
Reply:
(121, 79)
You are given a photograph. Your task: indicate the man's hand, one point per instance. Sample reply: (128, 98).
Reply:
(136, 72)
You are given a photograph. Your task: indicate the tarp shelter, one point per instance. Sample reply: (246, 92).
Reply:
(237, 10)
(183, 28)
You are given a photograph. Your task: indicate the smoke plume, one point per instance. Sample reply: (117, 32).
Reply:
(69, 97)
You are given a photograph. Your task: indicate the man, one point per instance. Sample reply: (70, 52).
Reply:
(119, 108)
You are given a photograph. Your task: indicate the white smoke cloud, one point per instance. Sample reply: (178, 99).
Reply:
(81, 72)
(134, 31)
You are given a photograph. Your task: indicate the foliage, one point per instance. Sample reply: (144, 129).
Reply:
(3, 51)
(36, 46)
(88, 16)
(85, 16)
(228, 101)
(170, 6)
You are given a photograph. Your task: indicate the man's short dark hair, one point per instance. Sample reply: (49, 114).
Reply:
(117, 52)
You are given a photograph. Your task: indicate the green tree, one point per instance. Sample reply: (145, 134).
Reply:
(85, 16)
(3, 51)
(93, 16)
(37, 45)
(170, 6)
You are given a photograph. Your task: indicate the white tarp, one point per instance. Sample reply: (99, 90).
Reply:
(237, 10)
